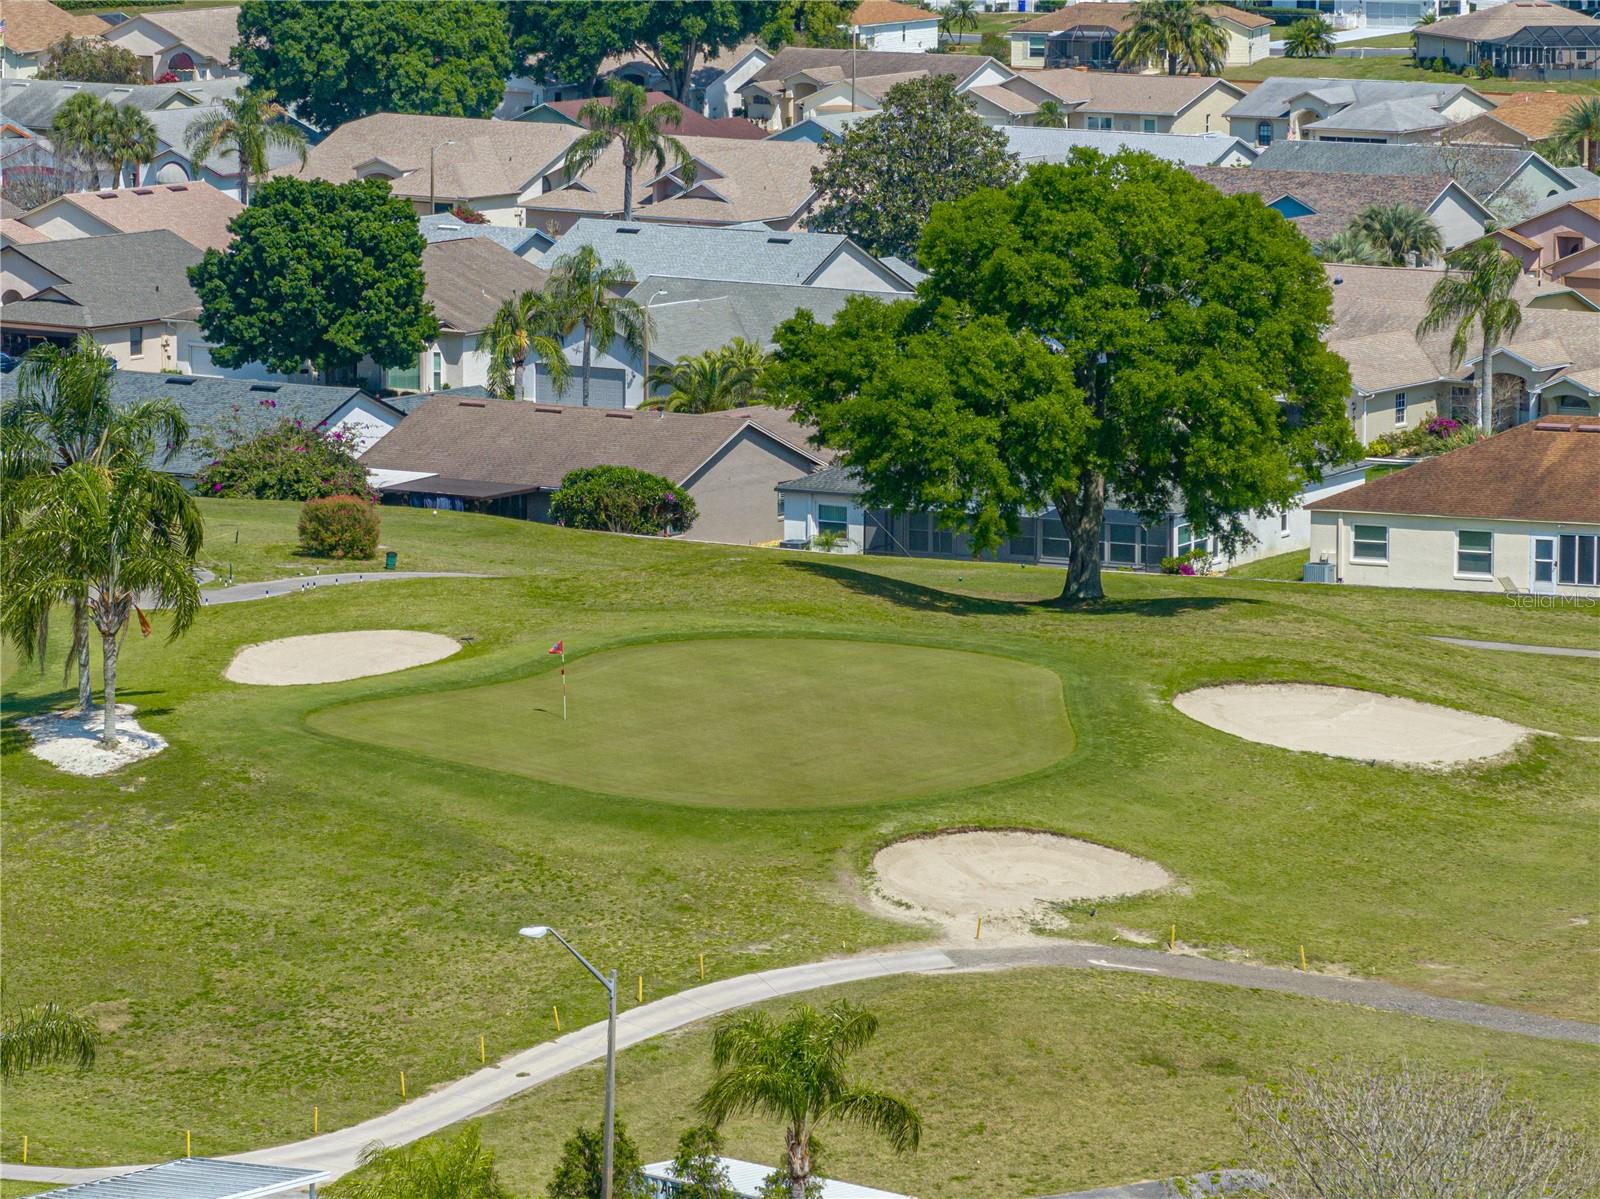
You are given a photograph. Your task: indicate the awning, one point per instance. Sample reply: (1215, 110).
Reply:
(467, 489)
(196, 1178)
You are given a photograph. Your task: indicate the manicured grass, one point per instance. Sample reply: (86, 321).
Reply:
(15, 1190)
(1388, 41)
(1035, 1082)
(776, 723)
(1394, 68)
(1279, 566)
(266, 917)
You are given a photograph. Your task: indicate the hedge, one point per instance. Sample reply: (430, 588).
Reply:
(621, 499)
(339, 526)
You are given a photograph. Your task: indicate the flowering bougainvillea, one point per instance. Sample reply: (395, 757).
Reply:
(281, 460)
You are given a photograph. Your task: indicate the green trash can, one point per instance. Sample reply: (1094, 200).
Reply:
(389, 560)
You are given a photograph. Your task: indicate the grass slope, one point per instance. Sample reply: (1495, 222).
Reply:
(1389, 67)
(267, 917)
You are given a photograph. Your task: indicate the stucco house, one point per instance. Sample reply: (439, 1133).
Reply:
(1521, 38)
(1518, 512)
(1032, 144)
(803, 81)
(1128, 103)
(890, 25)
(196, 212)
(529, 244)
(1522, 119)
(1293, 108)
(192, 43)
(690, 121)
(1081, 35)
(1560, 244)
(32, 27)
(722, 92)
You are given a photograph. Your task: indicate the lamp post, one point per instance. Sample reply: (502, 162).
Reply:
(434, 150)
(536, 932)
(854, 46)
(645, 380)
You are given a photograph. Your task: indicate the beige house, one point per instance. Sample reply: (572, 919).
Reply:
(1469, 520)
(1133, 103)
(802, 81)
(1521, 119)
(196, 212)
(32, 27)
(192, 43)
(1082, 35)
(1519, 37)
(1561, 245)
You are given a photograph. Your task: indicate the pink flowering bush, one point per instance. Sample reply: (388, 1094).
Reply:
(283, 460)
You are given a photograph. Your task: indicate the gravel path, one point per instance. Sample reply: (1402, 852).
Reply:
(241, 592)
(337, 1151)
(1558, 651)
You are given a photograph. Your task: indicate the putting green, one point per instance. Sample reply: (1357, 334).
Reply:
(743, 722)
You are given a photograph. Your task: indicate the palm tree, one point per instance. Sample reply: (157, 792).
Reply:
(631, 120)
(249, 124)
(1050, 115)
(81, 129)
(1578, 130)
(710, 382)
(1476, 290)
(1178, 32)
(960, 16)
(432, 1168)
(524, 325)
(1350, 246)
(1399, 232)
(794, 1070)
(584, 291)
(1309, 37)
(130, 139)
(46, 1032)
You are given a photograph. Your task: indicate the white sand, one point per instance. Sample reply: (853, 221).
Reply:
(334, 657)
(954, 878)
(71, 741)
(1350, 724)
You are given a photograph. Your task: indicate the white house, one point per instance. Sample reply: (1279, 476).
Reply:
(890, 25)
(722, 93)
(748, 1181)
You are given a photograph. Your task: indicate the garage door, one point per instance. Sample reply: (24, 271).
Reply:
(606, 388)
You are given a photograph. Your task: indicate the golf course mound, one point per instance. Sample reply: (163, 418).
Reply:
(334, 657)
(953, 878)
(1346, 723)
(741, 722)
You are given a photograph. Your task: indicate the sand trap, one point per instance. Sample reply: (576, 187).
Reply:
(334, 657)
(956, 877)
(71, 741)
(1349, 724)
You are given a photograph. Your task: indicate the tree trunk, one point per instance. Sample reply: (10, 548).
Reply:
(627, 183)
(586, 364)
(85, 691)
(799, 1156)
(518, 366)
(244, 187)
(1082, 512)
(1485, 387)
(1172, 64)
(108, 642)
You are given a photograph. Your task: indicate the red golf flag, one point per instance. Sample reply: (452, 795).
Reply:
(560, 647)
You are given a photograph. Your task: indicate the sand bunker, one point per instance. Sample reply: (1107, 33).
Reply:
(70, 741)
(334, 657)
(1349, 724)
(956, 877)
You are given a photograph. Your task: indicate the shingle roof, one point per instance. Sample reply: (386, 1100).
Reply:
(119, 279)
(15, 232)
(1336, 198)
(1503, 20)
(1534, 114)
(1545, 470)
(888, 12)
(697, 315)
(470, 277)
(1031, 144)
(1383, 116)
(793, 59)
(689, 121)
(196, 212)
(1360, 100)
(441, 226)
(1005, 99)
(1119, 16)
(535, 445)
(1114, 91)
(1481, 170)
(830, 480)
(212, 31)
(195, 1178)
(35, 25)
(32, 103)
(172, 127)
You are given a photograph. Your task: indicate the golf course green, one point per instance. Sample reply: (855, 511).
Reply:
(743, 722)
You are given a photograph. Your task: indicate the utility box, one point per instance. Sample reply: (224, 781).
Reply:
(389, 560)
(1318, 572)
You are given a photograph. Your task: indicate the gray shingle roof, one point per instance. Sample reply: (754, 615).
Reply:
(1335, 199)
(119, 279)
(1275, 97)
(704, 314)
(1482, 170)
(830, 480)
(172, 127)
(195, 1178)
(444, 227)
(32, 103)
(1188, 149)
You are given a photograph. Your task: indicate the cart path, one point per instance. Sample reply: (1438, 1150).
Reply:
(241, 592)
(336, 1151)
(1559, 651)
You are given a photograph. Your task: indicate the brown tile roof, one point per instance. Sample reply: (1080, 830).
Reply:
(888, 12)
(469, 277)
(792, 60)
(34, 25)
(1336, 197)
(1119, 16)
(1503, 20)
(535, 445)
(1533, 114)
(196, 212)
(1546, 470)
(18, 234)
(212, 31)
(690, 122)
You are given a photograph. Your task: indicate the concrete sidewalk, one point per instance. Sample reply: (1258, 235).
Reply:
(242, 592)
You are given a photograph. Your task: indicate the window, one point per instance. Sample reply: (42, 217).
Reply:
(1148, 125)
(1371, 543)
(1462, 405)
(1567, 246)
(833, 518)
(1283, 524)
(1036, 46)
(1400, 408)
(1572, 404)
(780, 507)
(1474, 552)
(1092, 122)
(1263, 133)
(1580, 559)
(1024, 542)
(1186, 538)
(1121, 545)
(136, 341)
(438, 371)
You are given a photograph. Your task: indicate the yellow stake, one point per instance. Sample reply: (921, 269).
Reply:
(482, 1053)
(188, 1145)
(641, 988)
(24, 1150)
(556, 1012)
(702, 967)
(1302, 957)
(978, 936)
(316, 1119)
(402, 1084)
(1172, 941)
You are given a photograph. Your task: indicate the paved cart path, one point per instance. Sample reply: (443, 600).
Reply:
(241, 592)
(337, 1151)
(1558, 651)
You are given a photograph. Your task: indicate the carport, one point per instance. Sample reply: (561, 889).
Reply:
(197, 1178)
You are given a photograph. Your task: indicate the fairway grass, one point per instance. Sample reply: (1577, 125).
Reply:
(742, 722)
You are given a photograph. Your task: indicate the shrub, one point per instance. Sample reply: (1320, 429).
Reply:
(339, 526)
(621, 499)
(1437, 436)
(468, 216)
(1193, 562)
(995, 46)
(283, 461)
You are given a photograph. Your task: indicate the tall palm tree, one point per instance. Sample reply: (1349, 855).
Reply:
(1476, 291)
(524, 326)
(1352, 247)
(631, 120)
(584, 291)
(1578, 130)
(794, 1070)
(81, 130)
(1309, 37)
(1178, 32)
(959, 16)
(432, 1168)
(131, 138)
(1401, 232)
(46, 1032)
(249, 125)
(1049, 115)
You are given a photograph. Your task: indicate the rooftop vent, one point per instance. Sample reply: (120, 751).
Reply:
(550, 409)
(620, 415)
(144, 191)
(107, 195)
(627, 229)
(779, 241)
(177, 187)
(1589, 428)
(265, 386)
(180, 380)
(1552, 427)
(471, 404)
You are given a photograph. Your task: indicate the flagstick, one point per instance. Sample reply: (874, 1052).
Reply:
(563, 687)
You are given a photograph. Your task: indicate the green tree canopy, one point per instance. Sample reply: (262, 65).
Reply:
(320, 273)
(461, 1167)
(90, 60)
(1111, 327)
(337, 62)
(622, 499)
(581, 1168)
(47, 1032)
(880, 181)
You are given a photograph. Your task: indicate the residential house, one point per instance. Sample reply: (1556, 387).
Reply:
(1561, 244)
(711, 73)
(822, 127)
(494, 167)
(196, 212)
(1082, 35)
(529, 244)
(1032, 144)
(1518, 512)
(32, 27)
(192, 43)
(732, 182)
(802, 81)
(1322, 204)
(690, 122)
(1294, 108)
(1525, 39)
(748, 1181)
(737, 253)
(1512, 183)
(722, 92)
(1133, 103)
(890, 25)
(174, 164)
(1549, 367)
(506, 459)
(1522, 119)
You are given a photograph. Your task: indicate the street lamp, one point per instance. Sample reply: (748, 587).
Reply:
(431, 153)
(536, 932)
(645, 382)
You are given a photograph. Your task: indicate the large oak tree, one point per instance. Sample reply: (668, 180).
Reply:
(1108, 329)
